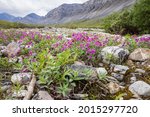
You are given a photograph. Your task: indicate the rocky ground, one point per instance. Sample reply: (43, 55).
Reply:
(118, 74)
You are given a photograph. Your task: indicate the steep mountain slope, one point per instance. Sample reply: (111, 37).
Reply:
(73, 12)
(88, 10)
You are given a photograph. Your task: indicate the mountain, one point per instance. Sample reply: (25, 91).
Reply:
(8, 17)
(73, 12)
(65, 10)
(31, 19)
(88, 10)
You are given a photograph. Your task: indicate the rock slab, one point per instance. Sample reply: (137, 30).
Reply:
(141, 88)
(140, 54)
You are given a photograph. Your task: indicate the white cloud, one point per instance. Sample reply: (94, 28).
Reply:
(24, 7)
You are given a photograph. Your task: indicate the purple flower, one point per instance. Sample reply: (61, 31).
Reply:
(89, 57)
(30, 53)
(55, 45)
(64, 47)
(98, 44)
(91, 51)
(48, 37)
(60, 37)
(82, 46)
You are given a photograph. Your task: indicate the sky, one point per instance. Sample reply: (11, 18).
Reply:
(24, 7)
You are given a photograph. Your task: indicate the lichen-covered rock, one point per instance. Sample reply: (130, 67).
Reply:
(140, 54)
(113, 54)
(12, 49)
(84, 72)
(21, 78)
(121, 69)
(141, 88)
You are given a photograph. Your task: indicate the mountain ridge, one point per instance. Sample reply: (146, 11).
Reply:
(74, 12)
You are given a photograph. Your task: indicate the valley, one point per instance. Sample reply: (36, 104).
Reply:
(96, 50)
(73, 64)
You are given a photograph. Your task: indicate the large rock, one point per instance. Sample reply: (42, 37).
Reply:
(83, 72)
(141, 88)
(12, 49)
(113, 54)
(21, 78)
(140, 54)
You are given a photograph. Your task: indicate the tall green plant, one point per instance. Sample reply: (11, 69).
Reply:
(141, 15)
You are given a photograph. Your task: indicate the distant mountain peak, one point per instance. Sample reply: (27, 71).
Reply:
(32, 15)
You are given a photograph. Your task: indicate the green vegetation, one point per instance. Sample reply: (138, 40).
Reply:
(133, 21)
(92, 23)
(7, 25)
(119, 23)
(53, 70)
(141, 16)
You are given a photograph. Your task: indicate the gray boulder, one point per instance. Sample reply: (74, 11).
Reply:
(12, 49)
(83, 72)
(113, 54)
(141, 88)
(21, 78)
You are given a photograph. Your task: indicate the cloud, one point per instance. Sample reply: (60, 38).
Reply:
(24, 7)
